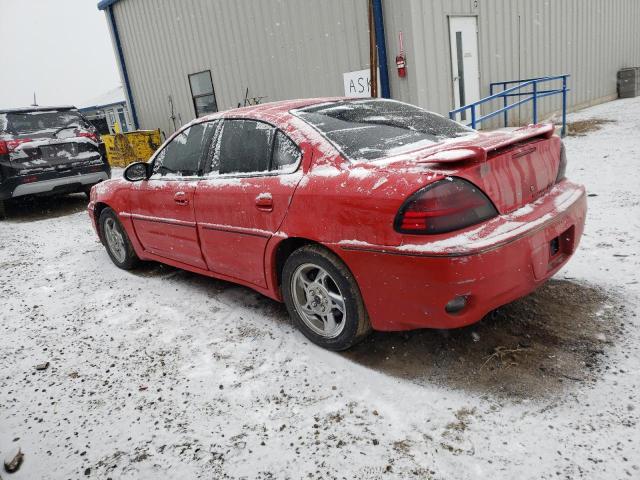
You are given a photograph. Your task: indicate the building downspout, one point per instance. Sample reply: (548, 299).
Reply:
(123, 67)
(382, 49)
(373, 54)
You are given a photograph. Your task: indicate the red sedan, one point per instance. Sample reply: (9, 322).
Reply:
(358, 214)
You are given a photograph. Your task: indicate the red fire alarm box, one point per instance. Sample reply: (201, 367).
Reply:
(401, 63)
(401, 60)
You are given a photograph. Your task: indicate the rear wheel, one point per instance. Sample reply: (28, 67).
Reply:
(116, 241)
(323, 298)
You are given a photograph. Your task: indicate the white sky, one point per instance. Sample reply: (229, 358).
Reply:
(58, 48)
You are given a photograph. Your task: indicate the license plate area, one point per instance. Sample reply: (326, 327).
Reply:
(59, 151)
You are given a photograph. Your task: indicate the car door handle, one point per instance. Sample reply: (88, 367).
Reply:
(181, 198)
(264, 202)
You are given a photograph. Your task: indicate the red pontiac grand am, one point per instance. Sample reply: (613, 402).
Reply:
(358, 214)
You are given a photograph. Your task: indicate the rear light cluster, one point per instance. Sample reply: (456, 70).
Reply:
(89, 135)
(447, 205)
(562, 167)
(8, 146)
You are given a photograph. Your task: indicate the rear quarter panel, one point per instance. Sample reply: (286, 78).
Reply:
(338, 202)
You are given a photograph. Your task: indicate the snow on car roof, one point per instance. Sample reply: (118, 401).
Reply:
(37, 109)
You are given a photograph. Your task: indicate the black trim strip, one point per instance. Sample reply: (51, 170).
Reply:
(179, 223)
(232, 230)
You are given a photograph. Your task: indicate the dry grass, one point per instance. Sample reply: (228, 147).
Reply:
(581, 128)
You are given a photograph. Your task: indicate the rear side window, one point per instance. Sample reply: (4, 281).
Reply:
(372, 129)
(285, 153)
(181, 156)
(31, 122)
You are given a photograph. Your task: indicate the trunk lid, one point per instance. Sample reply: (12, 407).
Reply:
(513, 168)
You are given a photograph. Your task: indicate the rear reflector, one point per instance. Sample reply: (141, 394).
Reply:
(445, 206)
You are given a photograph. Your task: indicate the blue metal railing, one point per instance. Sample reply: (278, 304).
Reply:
(533, 95)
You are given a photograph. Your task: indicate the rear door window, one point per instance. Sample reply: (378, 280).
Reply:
(182, 156)
(245, 147)
(251, 147)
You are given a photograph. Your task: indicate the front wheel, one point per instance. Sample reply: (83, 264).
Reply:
(116, 241)
(323, 298)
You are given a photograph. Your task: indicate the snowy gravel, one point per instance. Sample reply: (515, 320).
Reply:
(161, 373)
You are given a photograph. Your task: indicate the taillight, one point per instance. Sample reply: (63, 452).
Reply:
(448, 205)
(562, 166)
(90, 135)
(9, 146)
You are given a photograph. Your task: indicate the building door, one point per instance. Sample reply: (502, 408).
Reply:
(465, 72)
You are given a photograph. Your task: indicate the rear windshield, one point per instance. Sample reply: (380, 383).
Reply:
(371, 129)
(29, 122)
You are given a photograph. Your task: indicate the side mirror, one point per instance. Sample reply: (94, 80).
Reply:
(137, 172)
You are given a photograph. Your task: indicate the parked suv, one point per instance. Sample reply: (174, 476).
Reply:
(48, 151)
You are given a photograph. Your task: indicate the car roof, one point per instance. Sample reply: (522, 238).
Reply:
(280, 107)
(61, 108)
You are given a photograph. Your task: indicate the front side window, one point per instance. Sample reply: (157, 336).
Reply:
(372, 129)
(204, 97)
(182, 156)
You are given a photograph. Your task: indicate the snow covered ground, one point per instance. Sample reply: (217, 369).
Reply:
(160, 373)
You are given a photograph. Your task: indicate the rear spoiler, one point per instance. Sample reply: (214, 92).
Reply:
(479, 154)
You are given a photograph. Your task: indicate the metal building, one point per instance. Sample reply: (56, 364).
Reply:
(107, 111)
(182, 58)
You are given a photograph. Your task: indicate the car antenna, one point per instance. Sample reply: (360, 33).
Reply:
(34, 104)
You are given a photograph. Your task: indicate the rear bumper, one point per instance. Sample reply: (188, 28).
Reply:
(408, 287)
(51, 182)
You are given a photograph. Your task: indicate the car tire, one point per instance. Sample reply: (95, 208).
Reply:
(323, 298)
(116, 241)
(3, 210)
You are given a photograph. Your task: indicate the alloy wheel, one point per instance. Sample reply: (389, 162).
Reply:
(318, 300)
(115, 240)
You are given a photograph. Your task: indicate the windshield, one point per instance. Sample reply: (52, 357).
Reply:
(29, 122)
(371, 129)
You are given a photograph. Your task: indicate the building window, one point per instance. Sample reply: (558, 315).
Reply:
(204, 98)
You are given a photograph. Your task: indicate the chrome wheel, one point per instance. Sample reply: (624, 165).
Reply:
(318, 300)
(115, 240)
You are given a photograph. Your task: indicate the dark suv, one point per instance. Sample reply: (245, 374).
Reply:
(48, 151)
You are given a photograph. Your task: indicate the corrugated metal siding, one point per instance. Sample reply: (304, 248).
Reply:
(279, 49)
(588, 39)
(300, 48)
